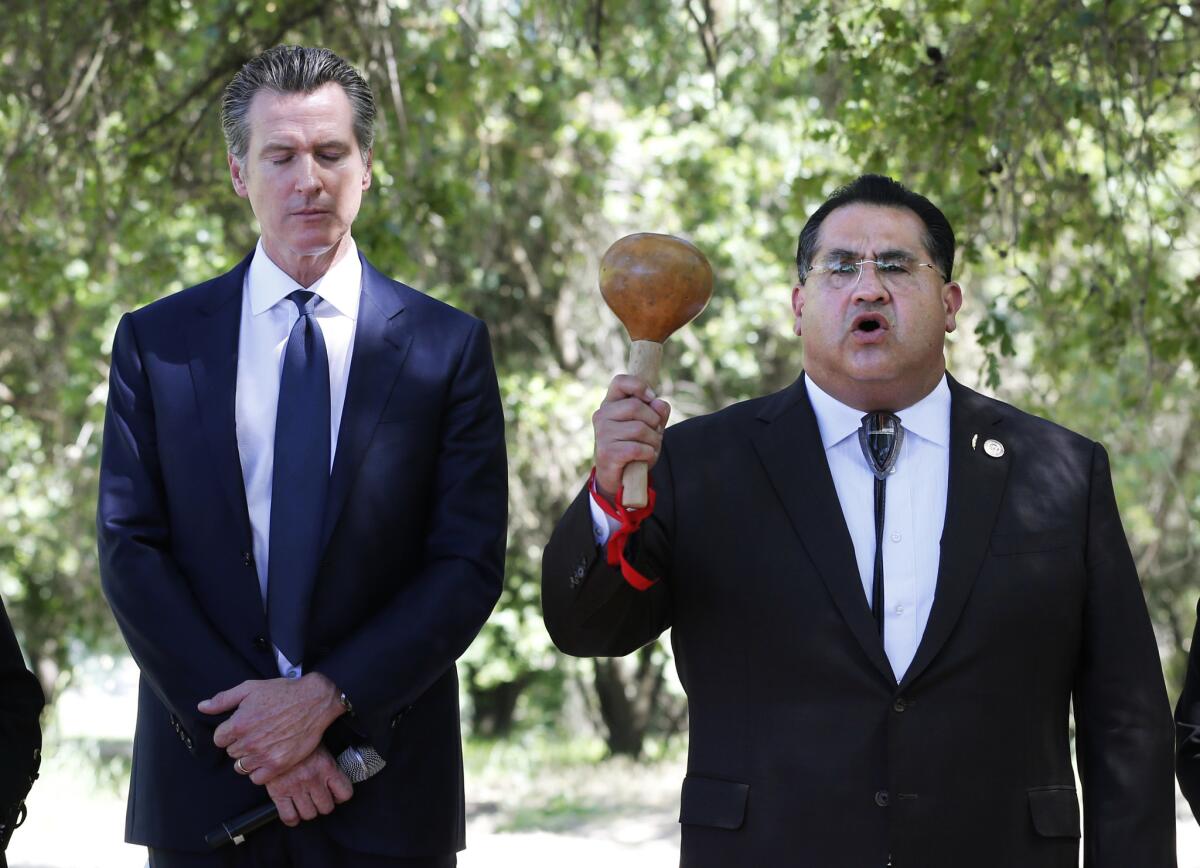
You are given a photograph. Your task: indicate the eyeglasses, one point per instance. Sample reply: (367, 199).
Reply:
(896, 273)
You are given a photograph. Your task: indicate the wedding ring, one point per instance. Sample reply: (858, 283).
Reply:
(239, 768)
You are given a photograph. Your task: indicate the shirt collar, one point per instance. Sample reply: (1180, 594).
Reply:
(929, 418)
(340, 286)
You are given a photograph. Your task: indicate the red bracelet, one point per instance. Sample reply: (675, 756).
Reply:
(630, 520)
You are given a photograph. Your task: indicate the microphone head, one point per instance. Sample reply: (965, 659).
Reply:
(360, 762)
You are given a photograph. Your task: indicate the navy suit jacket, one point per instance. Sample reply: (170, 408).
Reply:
(804, 749)
(412, 565)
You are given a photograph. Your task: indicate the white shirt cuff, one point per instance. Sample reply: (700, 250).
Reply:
(603, 524)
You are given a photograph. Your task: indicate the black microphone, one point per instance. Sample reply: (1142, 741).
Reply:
(357, 763)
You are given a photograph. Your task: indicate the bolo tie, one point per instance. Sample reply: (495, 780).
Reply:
(880, 437)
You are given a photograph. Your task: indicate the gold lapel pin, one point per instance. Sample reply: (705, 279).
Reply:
(994, 448)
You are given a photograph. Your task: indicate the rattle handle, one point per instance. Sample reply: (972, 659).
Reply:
(645, 359)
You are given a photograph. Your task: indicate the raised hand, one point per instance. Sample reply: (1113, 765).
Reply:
(628, 426)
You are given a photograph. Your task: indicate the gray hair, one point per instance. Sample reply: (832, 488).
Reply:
(294, 69)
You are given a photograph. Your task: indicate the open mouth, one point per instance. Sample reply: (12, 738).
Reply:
(869, 323)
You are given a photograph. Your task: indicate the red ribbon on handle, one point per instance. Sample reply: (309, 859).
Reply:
(630, 520)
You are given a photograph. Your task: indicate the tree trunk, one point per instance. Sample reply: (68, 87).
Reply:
(493, 708)
(628, 695)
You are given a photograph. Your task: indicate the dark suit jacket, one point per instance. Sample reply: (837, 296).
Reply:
(804, 750)
(21, 701)
(412, 565)
(1187, 726)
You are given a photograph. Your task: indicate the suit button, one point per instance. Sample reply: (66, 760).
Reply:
(881, 798)
(579, 572)
(247, 559)
(261, 643)
(900, 705)
(395, 720)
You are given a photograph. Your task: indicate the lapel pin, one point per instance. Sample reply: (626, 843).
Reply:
(994, 448)
(974, 440)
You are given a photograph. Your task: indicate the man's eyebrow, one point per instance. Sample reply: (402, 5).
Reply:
(896, 253)
(893, 253)
(330, 145)
(842, 253)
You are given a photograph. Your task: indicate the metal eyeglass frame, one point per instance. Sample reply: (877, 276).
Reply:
(883, 275)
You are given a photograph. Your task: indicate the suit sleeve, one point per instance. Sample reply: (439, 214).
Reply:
(1187, 726)
(181, 655)
(589, 608)
(1125, 742)
(411, 642)
(21, 702)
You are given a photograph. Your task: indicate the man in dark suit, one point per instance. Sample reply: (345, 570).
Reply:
(302, 513)
(1187, 726)
(885, 592)
(21, 702)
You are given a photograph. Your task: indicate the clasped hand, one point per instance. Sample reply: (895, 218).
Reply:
(275, 734)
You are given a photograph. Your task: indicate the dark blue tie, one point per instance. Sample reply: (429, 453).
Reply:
(299, 480)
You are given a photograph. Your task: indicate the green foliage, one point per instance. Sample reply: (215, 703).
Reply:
(518, 140)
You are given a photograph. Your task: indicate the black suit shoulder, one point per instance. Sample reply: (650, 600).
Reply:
(1035, 427)
(739, 419)
(1040, 449)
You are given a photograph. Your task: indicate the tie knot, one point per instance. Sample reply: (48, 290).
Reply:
(306, 300)
(880, 437)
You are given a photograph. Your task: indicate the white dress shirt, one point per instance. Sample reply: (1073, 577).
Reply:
(914, 512)
(267, 319)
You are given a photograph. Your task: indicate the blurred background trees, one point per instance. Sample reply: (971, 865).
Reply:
(517, 140)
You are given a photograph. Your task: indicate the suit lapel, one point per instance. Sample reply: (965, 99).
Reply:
(212, 358)
(381, 342)
(789, 446)
(975, 490)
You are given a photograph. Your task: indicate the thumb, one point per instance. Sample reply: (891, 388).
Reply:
(340, 787)
(226, 699)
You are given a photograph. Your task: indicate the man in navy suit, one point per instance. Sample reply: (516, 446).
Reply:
(302, 513)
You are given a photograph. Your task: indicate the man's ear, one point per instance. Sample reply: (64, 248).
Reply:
(237, 174)
(366, 179)
(797, 306)
(952, 300)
